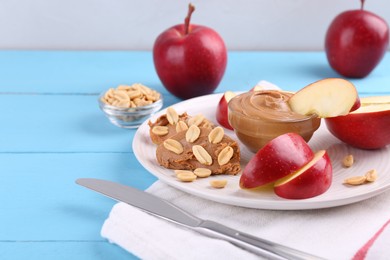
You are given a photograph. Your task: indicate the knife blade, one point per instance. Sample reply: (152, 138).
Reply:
(163, 209)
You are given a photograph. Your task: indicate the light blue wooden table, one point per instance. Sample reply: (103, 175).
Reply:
(52, 132)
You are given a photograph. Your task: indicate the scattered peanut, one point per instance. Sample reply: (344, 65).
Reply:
(186, 177)
(348, 161)
(218, 184)
(202, 172)
(355, 180)
(371, 175)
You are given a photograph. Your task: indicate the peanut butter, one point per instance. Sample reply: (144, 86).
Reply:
(258, 117)
(270, 105)
(187, 159)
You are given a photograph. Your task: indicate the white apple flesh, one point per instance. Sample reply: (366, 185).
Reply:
(375, 100)
(312, 180)
(326, 98)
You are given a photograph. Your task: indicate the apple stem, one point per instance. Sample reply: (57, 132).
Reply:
(362, 4)
(191, 9)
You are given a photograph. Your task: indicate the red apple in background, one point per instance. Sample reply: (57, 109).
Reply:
(222, 109)
(326, 98)
(312, 180)
(355, 42)
(278, 158)
(366, 128)
(190, 60)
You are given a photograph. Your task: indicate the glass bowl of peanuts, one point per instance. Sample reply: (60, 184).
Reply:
(128, 106)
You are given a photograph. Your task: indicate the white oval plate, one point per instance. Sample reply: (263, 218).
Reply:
(338, 194)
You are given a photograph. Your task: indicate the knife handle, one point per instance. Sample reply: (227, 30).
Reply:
(256, 245)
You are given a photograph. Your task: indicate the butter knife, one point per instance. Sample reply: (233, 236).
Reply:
(168, 211)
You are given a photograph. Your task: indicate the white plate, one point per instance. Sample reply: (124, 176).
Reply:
(338, 194)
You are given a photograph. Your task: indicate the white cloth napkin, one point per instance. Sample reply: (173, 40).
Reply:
(354, 231)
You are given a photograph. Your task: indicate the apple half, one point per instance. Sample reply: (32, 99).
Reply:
(367, 127)
(280, 157)
(311, 180)
(222, 109)
(326, 98)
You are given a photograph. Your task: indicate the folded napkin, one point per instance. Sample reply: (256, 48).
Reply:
(357, 231)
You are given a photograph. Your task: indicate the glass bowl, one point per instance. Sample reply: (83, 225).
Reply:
(129, 117)
(258, 117)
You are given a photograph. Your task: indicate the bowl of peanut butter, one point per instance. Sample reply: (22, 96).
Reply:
(257, 117)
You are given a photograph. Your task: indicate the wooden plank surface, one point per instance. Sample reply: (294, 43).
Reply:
(52, 132)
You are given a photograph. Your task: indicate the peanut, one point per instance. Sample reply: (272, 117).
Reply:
(130, 96)
(173, 146)
(172, 116)
(225, 155)
(218, 184)
(202, 172)
(355, 180)
(371, 175)
(192, 134)
(196, 120)
(186, 176)
(181, 126)
(160, 130)
(202, 155)
(216, 135)
(348, 161)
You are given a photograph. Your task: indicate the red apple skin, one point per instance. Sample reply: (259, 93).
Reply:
(221, 113)
(280, 157)
(312, 182)
(192, 64)
(369, 130)
(355, 42)
(356, 106)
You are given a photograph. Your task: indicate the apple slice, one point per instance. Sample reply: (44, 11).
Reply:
(366, 128)
(326, 98)
(280, 157)
(312, 180)
(375, 100)
(222, 109)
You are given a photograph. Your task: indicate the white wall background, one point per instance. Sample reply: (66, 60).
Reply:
(134, 25)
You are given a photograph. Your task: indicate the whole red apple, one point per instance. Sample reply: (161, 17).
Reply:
(355, 42)
(366, 128)
(190, 60)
